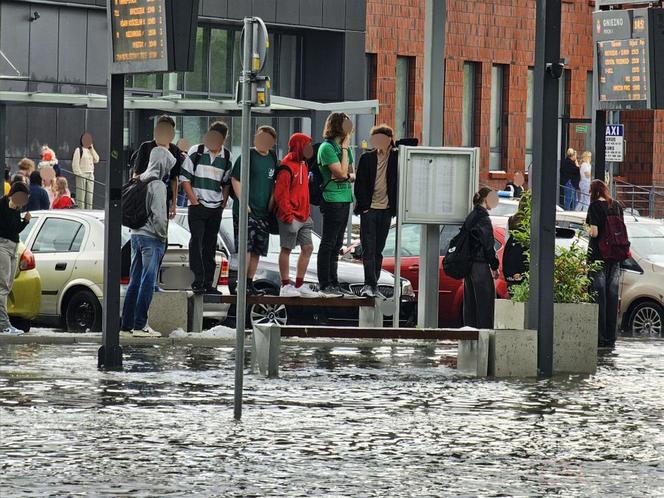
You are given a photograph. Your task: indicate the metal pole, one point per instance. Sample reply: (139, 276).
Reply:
(110, 353)
(542, 235)
(244, 216)
(600, 145)
(3, 136)
(432, 134)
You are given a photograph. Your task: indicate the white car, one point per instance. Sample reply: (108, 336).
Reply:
(68, 246)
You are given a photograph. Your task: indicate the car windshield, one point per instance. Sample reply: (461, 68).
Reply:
(275, 244)
(647, 240)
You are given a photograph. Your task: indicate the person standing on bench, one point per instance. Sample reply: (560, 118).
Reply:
(164, 133)
(263, 164)
(335, 160)
(291, 196)
(148, 244)
(376, 202)
(479, 289)
(206, 182)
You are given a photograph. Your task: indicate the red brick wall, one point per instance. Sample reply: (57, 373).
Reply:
(492, 32)
(658, 149)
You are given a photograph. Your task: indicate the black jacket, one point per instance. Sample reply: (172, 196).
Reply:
(570, 171)
(365, 181)
(11, 223)
(481, 237)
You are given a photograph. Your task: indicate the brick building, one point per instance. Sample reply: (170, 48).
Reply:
(490, 47)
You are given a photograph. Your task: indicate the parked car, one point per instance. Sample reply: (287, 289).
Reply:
(351, 277)
(24, 300)
(68, 247)
(642, 275)
(507, 207)
(450, 291)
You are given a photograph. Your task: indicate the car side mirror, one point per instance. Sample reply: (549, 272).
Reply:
(630, 264)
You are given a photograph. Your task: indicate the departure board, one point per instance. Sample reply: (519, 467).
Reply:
(140, 33)
(623, 70)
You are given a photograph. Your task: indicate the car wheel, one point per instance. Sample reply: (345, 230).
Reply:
(267, 314)
(647, 320)
(21, 323)
(83, 312)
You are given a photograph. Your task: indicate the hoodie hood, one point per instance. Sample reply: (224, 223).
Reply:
(296, 146)
(160, 164)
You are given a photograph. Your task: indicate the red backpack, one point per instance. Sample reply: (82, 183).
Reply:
(614, 242)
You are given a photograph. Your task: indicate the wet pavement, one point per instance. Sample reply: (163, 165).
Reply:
(341, 421)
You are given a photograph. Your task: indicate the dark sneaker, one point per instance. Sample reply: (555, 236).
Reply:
(331, 291)
(213, 291)
(367, 291)
(346, 292)
(198, 288)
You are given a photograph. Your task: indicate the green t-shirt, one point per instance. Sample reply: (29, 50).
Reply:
(335, 191)
(261, 182)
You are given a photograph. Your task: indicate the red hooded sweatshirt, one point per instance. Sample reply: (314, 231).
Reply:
(291, 190)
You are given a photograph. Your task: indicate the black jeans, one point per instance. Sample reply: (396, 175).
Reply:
(335, 220)
(204, 227)
(479, 296)
(374, 227)
(606, 285)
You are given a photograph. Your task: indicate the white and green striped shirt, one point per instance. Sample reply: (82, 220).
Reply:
(210, 177)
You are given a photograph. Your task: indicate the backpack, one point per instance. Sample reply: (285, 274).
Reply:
(614, 242)
(458, 259)
(134, 203)
(317, 183)
(196, 156)
(514, 260)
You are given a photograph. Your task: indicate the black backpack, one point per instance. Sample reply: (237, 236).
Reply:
(196, 156)
(514, 260)
(134, 203)
(458, 259)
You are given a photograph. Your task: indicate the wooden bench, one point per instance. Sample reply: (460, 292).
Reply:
(369, 315)
(472, 356)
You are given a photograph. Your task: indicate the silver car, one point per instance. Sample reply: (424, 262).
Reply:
(68, 246)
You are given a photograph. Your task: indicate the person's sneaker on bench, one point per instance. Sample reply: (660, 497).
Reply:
(367, 291)
(147, 331)
(213, 291)
(289, 290)
(331, 291)
(307, 292)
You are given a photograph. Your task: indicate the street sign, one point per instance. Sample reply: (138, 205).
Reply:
(583, 128)
(150, 36)
(629, 48)
(615, 143)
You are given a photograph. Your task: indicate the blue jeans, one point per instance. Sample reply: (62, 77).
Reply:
(570, 196)
(146, 254)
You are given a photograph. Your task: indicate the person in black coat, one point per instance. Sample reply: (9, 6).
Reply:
(570, 177)
(479, 291)
(376, 202)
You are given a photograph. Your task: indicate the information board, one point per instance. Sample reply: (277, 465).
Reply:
(140, 33)
(149, 36)
(624, 70)
(615, 143)
(437, 183)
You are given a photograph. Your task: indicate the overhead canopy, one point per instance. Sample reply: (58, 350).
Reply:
(280, 106)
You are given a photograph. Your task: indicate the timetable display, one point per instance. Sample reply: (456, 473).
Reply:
(139, 31)
(152, 36)
(623, 70)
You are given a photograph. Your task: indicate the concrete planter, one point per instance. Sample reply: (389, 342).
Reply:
(574, 333)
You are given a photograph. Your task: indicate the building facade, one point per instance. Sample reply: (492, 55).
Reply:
(317, 53)
(490, 47)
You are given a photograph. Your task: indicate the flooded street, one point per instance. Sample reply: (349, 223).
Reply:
(341, 421)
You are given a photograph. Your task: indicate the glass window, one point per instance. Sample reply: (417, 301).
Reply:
(58, 235)
(529, 117)
(496, 122)
(410, 241)
(25, 234)
(468, 120)
(221, 61)
(196, 81)
(287, 63)
(403, 98)
(372, 76)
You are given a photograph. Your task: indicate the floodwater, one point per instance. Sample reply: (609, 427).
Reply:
(341, 421)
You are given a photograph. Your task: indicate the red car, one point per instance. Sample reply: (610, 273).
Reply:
(450, 292)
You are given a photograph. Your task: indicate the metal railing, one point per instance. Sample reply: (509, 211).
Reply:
(78, 187)
(644, 200)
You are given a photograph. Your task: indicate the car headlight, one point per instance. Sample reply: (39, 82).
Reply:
(407, 288)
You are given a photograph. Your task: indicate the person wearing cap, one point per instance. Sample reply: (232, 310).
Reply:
(11, 225)
(205, 178)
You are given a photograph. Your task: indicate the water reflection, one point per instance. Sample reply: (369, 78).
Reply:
(341, 421)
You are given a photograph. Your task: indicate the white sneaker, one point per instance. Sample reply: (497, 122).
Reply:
(11, 331)
(146, 332)
(307, 292)
(289, 291)
(126, 333)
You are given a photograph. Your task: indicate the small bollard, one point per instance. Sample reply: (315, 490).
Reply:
(266, 349)
(196, 313)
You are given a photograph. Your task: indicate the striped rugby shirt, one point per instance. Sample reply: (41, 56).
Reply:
(210, 176)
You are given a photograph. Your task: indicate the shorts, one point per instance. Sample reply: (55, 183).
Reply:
(258, 236)
(297, 233)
